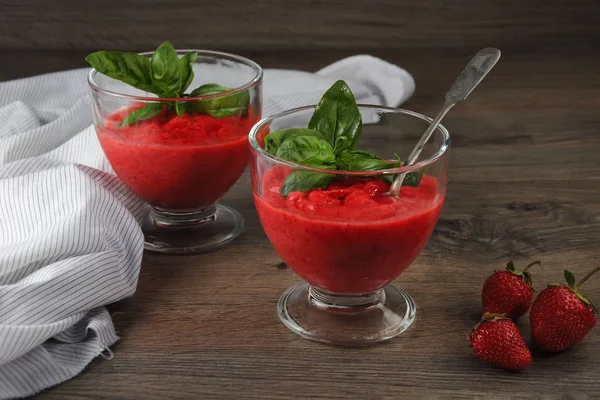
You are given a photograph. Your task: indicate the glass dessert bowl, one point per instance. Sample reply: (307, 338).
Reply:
(182, 154)
(349, 238)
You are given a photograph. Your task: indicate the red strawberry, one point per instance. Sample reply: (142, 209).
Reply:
(508, 292)
(497, 341)
(561, 316)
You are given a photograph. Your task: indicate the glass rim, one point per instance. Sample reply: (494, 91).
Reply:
(216, 54)
(421, 164)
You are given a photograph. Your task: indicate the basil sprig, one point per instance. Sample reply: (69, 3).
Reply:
(337, 117)
(274, 139)
(167, 76)
(328, 143)
(301, 181)
(148, 111)
(360, 160)
(223, 106)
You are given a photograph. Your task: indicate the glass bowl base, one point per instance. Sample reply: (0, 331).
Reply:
(346, 320)
(191, 232)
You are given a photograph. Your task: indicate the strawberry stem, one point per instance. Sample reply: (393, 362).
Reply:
(585, 278)
(531, 265)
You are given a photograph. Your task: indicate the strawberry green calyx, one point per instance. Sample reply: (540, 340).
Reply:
(523, 274)
(490, 317)
(487, 317)
(574, 287)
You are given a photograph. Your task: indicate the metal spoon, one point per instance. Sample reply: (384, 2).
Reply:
(469, 78)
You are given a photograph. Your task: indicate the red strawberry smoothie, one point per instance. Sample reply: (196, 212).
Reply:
(177, 162)
(349, 238)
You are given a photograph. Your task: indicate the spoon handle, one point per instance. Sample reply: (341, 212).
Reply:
(481, 64)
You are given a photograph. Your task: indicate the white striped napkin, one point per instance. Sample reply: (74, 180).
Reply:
(70, 240)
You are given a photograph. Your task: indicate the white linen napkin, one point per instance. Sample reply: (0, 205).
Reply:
(70, 240)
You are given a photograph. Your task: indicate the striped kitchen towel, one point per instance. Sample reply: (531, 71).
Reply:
(70, 241)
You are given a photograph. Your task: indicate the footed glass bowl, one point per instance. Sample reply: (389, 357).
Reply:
(350, 240)
(187, 155)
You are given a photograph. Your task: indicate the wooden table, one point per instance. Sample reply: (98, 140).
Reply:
(524, 184)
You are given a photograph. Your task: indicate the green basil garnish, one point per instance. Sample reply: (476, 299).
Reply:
(306, 150)
(301, 181)
(224, 106)
(148, 111)
(129, 68)
(337, 117)
(413, 178)
(186, 75)
(273, 140)
(167, 76)
(166, 70)
(328, 143)
(359, 160)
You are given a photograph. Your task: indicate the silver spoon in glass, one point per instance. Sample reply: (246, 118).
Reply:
(469, 78)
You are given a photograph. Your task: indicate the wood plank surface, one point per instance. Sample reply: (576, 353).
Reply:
(283, 24)
(524, 184)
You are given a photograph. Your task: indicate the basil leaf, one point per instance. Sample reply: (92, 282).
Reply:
(369, 164)
(180, 108)
(148, 111)
(186, 75)
(411, 179)
(301, 181)
(349, 155)
(306, 150)
(129, 68)
(208, 89)
(340, 143)
(359, 160)
(235, 104)
(274, 139)
(228, 112)
(337, 116)
(166, 70)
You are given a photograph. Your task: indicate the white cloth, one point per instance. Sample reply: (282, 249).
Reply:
(70, 240)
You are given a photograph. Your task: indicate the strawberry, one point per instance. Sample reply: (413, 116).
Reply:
(497, 341)
(561, 316)
(508, 292)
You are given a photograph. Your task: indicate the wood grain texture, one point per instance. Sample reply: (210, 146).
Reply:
(524, 184)
(141, 25)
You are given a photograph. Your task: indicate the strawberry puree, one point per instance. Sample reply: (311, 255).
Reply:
(349, 238)
(174, 162)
